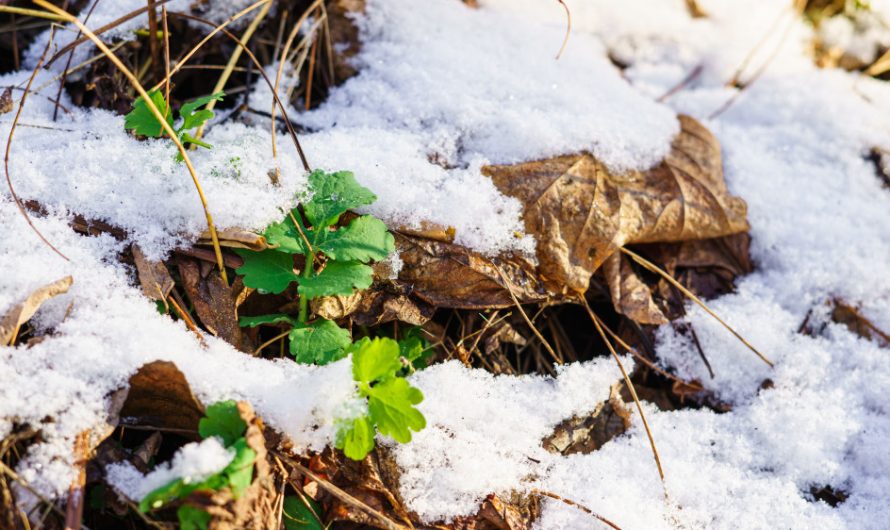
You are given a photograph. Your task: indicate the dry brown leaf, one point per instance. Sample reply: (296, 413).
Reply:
(503, 333)
(380, 306)
(447, 275)
(23, 311)
(585, 434)
(255, 509)
(580, 213)
(630, 296)
(213, 300)
(236, 238)
(153, 276)
(336, 307)
(159, 396)
(6, 100)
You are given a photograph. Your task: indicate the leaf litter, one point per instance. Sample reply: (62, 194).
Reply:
(819, 421)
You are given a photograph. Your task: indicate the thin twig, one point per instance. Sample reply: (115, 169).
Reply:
(161, 119)
(565, 39)
(387, 523)
(508, 284)
(579, 506)
(630, 387)
(18, 114)
(65, 72)
(670, 279)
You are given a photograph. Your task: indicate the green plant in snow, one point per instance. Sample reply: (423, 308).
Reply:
(336, 263)
(223, 421)
(141, 120)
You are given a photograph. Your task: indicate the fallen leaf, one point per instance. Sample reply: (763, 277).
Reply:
(236, 238)
(23, 311)
(587, 433)
(581, 213)
(153, 276)
(630, 296)
(159, 396)
(379, 306)
(213, 300)
(447, 275)
(6, 100)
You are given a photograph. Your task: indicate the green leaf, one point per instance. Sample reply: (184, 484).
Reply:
(415, 348)
(365, 239)
(192, 119)
(338, 277)
(174, 489)
(321, 342)
(301, 514)
(240, 469)
(356, 438)
(186, 138)
(391, 406)
(376, 359)
(275, 318)
(287, 237)
(191, 518)
(142, 121)
(267, 270)
(333, 194)
(222, 419)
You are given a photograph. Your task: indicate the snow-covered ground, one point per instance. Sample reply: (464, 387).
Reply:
(470, 87)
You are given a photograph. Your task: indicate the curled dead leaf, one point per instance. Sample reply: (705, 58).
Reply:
(236, 238)
(153, 276)
(581, 213)
(630, 296)
(336, 307)
(159, 396)
(447, 275)
(24, 310)
(213, 299)
(587, 433)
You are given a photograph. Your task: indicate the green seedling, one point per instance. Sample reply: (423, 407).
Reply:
(335, 262)
(141, 121)
(222, 420)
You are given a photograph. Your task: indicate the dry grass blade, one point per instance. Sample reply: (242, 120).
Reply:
(565, 40)
(233, 60)
(630, 387)
(657, 270)
(281, 59)
(262, 72)
(15, 121)
(157, 114)
(22, 312)
(387, 523)
(574, 504)
(509, 285)
(36, 13)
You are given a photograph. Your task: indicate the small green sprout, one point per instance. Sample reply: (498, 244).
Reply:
(141, 120)
(223, 421)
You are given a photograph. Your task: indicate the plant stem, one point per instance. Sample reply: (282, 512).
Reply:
(308, 272)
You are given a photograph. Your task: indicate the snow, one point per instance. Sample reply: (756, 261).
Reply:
(193, 462)
(468, 87)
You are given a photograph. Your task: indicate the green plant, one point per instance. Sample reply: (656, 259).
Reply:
(223, 421)
(335, 262)
(377, 366)
(301, 513)
(141, 120)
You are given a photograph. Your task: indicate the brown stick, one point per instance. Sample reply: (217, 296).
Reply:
(574, 504)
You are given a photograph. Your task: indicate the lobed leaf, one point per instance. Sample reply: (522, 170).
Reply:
(274, 318)
(320, 342)
(374, 359)
(365, 239)
(391, 406)
(338, 277)
(356, 438)
(222, 419)
(191, 518)
(287, 238)
(192, 119)
(267, 270)
(141, 120)
(332, 195)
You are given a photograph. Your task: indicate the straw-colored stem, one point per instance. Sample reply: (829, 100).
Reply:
(158, 116)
